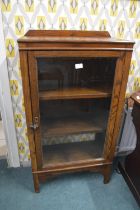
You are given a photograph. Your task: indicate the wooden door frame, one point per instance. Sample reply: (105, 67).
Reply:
(109, 146)
(6, 106)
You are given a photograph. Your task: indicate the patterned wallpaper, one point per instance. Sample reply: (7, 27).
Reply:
(120, 17)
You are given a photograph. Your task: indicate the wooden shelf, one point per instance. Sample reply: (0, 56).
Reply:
(76, 93)
(76, 124)
(72, 153)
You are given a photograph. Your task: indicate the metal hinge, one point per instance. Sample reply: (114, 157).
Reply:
(35, 125)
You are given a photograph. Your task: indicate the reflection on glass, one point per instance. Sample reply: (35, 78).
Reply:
(75, 96)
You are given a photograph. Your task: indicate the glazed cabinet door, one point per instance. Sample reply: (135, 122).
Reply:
(77, 99)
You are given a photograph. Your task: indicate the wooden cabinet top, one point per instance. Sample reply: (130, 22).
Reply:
(68, 39)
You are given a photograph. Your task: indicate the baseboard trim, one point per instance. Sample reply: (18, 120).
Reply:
(26, 164)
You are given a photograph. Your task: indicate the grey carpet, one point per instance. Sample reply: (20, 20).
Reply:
(80, 191)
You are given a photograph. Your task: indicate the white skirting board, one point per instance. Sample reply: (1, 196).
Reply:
(6, 105)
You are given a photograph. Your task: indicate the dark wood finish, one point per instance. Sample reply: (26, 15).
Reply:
(72, 44)
(130, 169)
(71, 93)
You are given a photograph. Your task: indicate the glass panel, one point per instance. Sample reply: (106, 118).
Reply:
(75, 96)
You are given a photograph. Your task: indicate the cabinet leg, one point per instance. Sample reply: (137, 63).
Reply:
(106, 173)
(36, 183)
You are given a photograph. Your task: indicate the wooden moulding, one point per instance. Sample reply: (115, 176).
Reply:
(88, 165)
(98, 165)
(85, 40)
(90, 46)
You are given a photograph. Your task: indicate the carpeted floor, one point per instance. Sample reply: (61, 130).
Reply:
(84, 191)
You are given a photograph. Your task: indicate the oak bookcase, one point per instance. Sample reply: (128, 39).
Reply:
(74, 85)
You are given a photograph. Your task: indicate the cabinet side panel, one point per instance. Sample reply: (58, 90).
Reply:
(117, 105)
